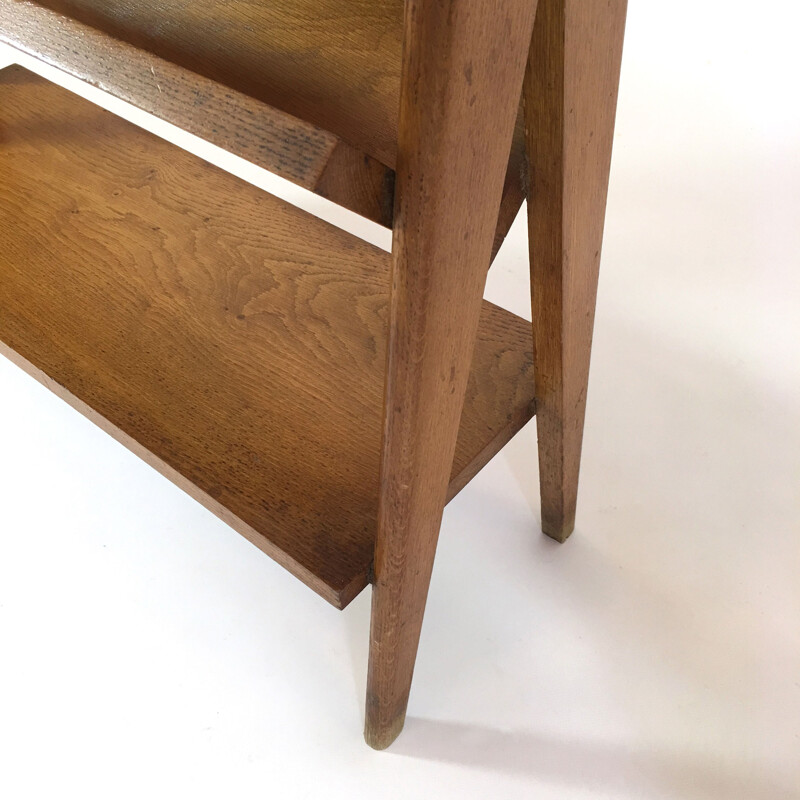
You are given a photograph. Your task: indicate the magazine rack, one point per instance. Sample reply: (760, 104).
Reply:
(324, 398)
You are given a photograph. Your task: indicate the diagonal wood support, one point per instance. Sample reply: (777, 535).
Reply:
(462, 77)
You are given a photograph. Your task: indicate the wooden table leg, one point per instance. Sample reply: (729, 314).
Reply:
(570, 100)
(463, 66)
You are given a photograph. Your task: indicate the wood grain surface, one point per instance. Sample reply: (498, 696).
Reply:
(224, 70)
(570, 103)
(462, 77)
(235, 342)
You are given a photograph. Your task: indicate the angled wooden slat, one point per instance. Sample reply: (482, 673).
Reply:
(334, 63)
(288, 146)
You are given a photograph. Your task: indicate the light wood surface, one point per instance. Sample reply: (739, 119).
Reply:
(570, 103)
(235, 342)
(462, 77)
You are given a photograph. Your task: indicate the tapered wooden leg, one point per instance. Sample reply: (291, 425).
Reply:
(463, 65)
(570, 98)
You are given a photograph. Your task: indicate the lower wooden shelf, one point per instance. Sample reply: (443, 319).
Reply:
(234, 342)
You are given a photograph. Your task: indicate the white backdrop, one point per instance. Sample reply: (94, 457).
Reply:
(146, 650)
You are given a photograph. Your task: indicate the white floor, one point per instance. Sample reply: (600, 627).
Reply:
(148, 651)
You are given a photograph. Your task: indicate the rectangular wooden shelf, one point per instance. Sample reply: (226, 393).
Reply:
(308, 89)
(233, 341)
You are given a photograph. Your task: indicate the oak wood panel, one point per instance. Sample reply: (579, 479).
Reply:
(235, 342)
(332, 63)
(288, 146)
(462, 78)
(570, 103)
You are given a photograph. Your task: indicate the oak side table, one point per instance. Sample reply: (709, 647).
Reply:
(324, 398)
